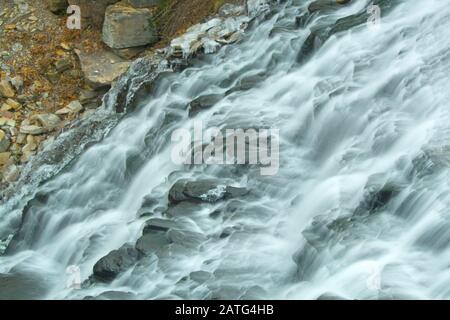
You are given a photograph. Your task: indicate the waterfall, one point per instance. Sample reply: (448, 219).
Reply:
(359, 208)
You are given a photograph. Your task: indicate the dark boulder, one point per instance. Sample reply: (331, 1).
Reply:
(326, 5)
(115, 262)
(209, 191)
(203, 103)
(246, 83)
(183, 209)
(186, 238)
(159, 225)
(152, 243)
(19, 285)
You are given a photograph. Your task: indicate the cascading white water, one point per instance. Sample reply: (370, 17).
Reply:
(368, 109)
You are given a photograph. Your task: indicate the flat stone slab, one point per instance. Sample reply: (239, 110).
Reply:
(101, 68)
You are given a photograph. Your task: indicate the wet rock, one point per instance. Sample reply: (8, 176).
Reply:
(11, 174)
(126, 27)
(186, 238)
(152, 243)
(203, 191)
(229, 9)
(101, 68)
(13, 104)
(88, 97)
(202, 103)
(330, 296)
(377, 198)
(7, 122)
(5, 142)
(326, 5)
(201, 276)
(148, 204)
(6, 90)
(320, 35)
(113, 295)
(302, 20)
(246, 83)
(159, 225)
(4, 243)
(208, 37)
(21, 286)
(115, 262)
(182, 209)
(431, 160)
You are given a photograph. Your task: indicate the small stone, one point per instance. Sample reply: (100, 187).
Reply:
(13, 104)
(6, 90)
(12, 173)
(5, 158)
(62, 65)
(31, 144)
(17, 47)
(17, 82)
(21, 138)
(5, 107)
(7, 122)
(32, 129)
(48, 120)
(4, 141)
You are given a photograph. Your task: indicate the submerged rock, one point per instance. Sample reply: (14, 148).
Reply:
(186, 238)
(203, 191)
(326, 5)
(21, 286)
(115, 262)
(203, 102)
(159, 225)
(152, 243)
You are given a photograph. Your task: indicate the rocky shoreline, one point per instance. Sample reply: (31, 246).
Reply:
(39, 104)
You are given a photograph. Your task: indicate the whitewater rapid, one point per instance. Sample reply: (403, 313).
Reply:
(367, 115)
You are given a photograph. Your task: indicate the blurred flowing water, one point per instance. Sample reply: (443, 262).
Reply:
(359, 208)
